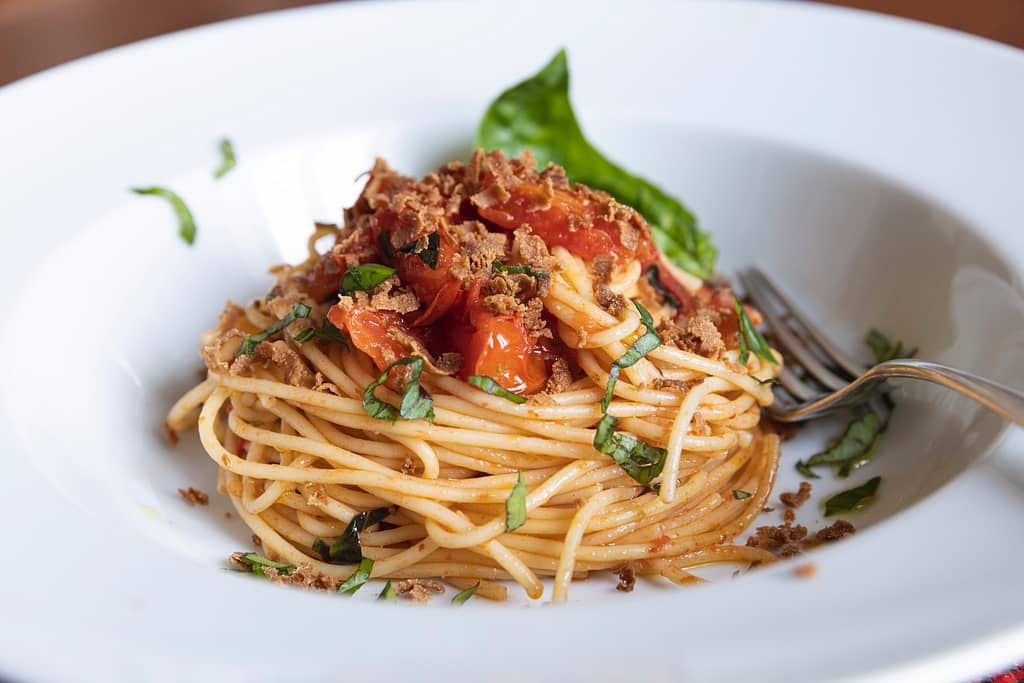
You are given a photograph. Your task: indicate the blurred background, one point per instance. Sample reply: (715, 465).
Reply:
(38, 34)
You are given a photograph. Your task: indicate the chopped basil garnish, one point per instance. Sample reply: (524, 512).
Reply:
(853, 499)
(740, 495)
(487, 384)
(515, 506)
(326, 333)
(227, 153)
(186, 225)
(416, 403)
(653, 273)
(388, 592)
(803, 469)
(517, 269)
(639, 460)
(428, 248)
(358, 578)
(858, 439)
(299, 310)
(646, 343)
(256, 563)
(466, 594)
(750, 338)
(347, 550)
(884, 350)
(365, 277)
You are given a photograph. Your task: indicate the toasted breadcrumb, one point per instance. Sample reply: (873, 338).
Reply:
(788, 516)
(806, 571)
(837, 530)
(627, 579)
(784, 539)
(257, 541)
(194, 496)
(227, 514)
(795, 500)
(418, 590)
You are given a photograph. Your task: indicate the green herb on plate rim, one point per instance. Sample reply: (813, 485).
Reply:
(186, 224)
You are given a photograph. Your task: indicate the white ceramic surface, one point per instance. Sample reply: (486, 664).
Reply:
(872, 165)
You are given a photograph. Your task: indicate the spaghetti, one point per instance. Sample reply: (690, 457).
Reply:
(496, 326)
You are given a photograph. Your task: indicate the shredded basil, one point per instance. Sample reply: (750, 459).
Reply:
(428, 248)
(858, 438)
(803, 469)
(653, 273)
(358, 578)
(884, 350)
(740, 495)
(347, 549)
(228, 161)
(365, 277)
(639, 460)
(416, 403)
(388, 592)
(186, 224)
(254, 560)
(646, 343)
(430, 253)
(751, 339)
(466, 594)
(299, 310)
(853, 499)
(537, 115)
(515, 506)
(517, 269)
(326, 333)
(489, 385)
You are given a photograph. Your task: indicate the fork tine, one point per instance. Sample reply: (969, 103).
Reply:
(852, 367)
(789, 341)
(796, 386)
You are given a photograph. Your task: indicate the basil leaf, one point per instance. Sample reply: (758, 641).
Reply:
(299, 310)
(347, 549)
(416, 403)
(254, 560)
(750, 339)
(537, 115)
(227, 153)
(466, 594)
(517, 269)
(186, 225)
(365, 277)
(639, 460)
(803, 469)
(646, 343)
(859, 436)
(326, 333)
(487, 384)
(388, 592)
(853, 499)
(740, 495)
(844, 468)
(358, 578)
(515, 506)
(428, 251)
(884, 350)
(653, 273)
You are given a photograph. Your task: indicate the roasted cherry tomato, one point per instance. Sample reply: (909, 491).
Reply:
(369, 332)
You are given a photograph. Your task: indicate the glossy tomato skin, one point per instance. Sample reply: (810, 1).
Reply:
(369, 332)
(497, 346)
(557, 224)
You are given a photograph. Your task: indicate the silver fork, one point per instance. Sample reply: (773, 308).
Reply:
(833, 380)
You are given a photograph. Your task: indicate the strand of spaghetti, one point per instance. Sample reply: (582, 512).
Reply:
(683, 359)
(336, 375)
(539, 496)
(579, 523)
(181, 411)
(674, 448)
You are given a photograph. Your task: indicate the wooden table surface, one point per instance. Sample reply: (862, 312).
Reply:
(38, 34)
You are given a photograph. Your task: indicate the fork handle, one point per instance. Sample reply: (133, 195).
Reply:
(998, 398)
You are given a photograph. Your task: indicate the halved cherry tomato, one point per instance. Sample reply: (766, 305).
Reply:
(500, 347)
(369, 332)
(555, 224)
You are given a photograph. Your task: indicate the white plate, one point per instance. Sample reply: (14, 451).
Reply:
(873, 165)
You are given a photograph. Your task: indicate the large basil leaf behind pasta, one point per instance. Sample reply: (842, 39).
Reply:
(537, 115)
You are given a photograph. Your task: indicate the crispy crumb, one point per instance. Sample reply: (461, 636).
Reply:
(170, 435)
(418, 590)
(303, 576)
(627, 579)
(798, 498)
(227, 514)
(806, 571)
(784, 539)
(767, 509)
(257, 541)
(837, 530)
(408, 466)
(194, 496)
(788, 516)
